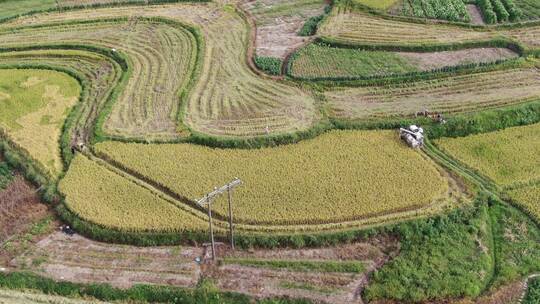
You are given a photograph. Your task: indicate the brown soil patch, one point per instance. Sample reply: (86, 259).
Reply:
(476, 14)
(20, 207)
(277, 33)
(437, 60)
(77, 259)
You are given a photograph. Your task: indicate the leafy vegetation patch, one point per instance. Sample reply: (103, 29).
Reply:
(336, 177)
(270, 65)
(529, 8)
(452, 10)
(445, 257)
(6, 176)
(533, 293)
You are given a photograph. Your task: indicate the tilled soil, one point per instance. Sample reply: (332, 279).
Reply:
(77, 259)
(277, 35)
(476, 15)
(317, 286)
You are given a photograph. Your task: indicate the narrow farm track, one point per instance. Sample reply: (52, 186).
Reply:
(149, 104)
(456, 94)
(229, 98)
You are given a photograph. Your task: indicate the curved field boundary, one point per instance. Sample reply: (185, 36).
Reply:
(158, 70)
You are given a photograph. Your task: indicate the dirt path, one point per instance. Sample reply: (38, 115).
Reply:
(476, 14)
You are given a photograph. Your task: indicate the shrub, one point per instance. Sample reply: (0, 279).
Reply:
(270, 65)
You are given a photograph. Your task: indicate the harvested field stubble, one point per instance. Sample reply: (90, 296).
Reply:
(228, 99)
(455, 94)
(161, 58)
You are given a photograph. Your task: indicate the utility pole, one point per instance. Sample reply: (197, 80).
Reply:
(208, 199)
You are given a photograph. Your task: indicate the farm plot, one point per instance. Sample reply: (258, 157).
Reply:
(80, 260)
(508, 157)
(99, 74)
(278, 23)
(337, 177)
(456, 94)
(349, 26)
(34, 105)
(323, 61)
(377, 4)
(162, 57)
(229, 98)
(452, 10)
(101, 196)
(529, 8)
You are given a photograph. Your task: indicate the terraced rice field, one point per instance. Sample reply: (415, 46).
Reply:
(161, 58)
(34, 105)
(93, 191)
(350, 26)
(334, 178)
(495, 154)
(508, 157)
(229, 99)
(457, 94)
(99, 74)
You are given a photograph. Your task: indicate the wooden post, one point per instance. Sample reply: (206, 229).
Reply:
(211, 229)
(231, 235)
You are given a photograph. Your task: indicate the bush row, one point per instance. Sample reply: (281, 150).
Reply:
(499, 11)
(487, 121)
(270, 65)
(312, 24)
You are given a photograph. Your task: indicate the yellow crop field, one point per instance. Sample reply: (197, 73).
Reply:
(507, 157)
(34, 105)
(100, 196)
(339, 176)
(529, 198)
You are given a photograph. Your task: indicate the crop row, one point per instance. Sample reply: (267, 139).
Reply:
(337, 177)
(456, 94)
(501, 11)
(452, 10)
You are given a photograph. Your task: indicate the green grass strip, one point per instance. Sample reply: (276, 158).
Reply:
(302, 266)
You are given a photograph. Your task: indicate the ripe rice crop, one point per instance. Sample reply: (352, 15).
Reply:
(34, 105)
(339, 176)
(456, 94)
(529, 198)
(377, 4)
(507, 157)
(103, 197)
